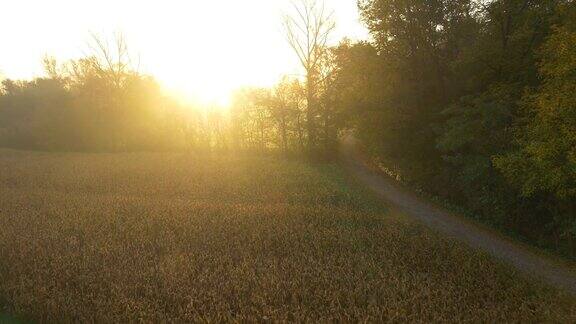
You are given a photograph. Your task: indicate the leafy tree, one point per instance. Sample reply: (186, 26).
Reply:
(270, 118)
(545, 161)
(478, 129)
(419, 44)
(96, 103)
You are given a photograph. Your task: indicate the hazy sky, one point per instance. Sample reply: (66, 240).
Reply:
(204, 49)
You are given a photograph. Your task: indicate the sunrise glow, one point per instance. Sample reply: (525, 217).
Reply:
(201, 50)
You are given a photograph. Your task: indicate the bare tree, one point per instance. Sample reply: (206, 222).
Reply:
(50, 66)
(308, 30)
(111, 59)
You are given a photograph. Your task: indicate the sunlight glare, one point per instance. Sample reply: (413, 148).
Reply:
(203, 50)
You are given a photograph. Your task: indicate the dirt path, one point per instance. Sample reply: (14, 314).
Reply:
(513, 253)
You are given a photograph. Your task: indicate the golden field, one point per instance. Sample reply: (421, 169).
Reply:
(173, 237)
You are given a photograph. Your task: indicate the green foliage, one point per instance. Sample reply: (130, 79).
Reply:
(472, 101)
(544, 161)
(446, 100)
(478, 127)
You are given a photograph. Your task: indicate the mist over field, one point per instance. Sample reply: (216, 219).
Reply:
(289, 161)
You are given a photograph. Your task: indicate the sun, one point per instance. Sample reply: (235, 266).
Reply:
(207, 59)
(203, 90)
(204, 50)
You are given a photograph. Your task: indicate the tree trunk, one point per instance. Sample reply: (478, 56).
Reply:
(311, 128)
(284, 134)
(300, 135)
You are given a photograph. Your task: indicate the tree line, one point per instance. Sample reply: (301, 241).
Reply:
(472, 101)
(97, 103)
(103, 103)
